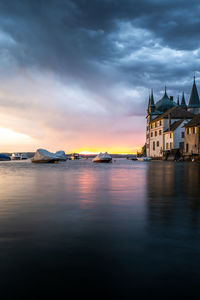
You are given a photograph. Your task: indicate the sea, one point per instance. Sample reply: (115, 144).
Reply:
(77, 229)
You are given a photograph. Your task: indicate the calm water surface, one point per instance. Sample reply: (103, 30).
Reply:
(118, 229)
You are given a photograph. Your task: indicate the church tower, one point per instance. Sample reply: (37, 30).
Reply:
(194, 103)
(151, 114)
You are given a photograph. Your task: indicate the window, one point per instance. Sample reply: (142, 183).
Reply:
(170, 135)
(187, 130)
(151, 126)
(182, 135)
(167, 146)
(171, 145)
(153, 145)
(155, 124)
(187, 148)
(151, 134)
(160, 132)
(160, 123)
(193, 129)
(155, 133)
(181, 145)
(157, 143)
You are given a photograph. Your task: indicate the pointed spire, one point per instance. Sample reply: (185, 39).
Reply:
(194, 97)
(178, 100)
(152, 98)
(183, 104)
(165, 94)
(151, 104)
(148, 108)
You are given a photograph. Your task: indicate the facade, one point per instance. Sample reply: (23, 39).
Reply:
(174, 137)
(192, 137)
(165, 132)
(166, 120)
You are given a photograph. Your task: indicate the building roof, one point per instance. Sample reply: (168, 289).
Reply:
(164, 103)
(174, 125)
(194, 122)
(194, 97)
(176, 112)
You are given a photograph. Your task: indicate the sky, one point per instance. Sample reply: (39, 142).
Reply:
(76, 75)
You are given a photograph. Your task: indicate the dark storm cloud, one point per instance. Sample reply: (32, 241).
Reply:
(109, 53)
(65, 35)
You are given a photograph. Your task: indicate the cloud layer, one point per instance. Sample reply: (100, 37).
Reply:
(78, 73)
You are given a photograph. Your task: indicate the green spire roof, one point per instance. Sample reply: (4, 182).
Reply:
(165, 103)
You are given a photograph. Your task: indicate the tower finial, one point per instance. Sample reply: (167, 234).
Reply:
(165, 94)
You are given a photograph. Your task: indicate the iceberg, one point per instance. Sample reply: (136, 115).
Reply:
(44, 156)
(61, 154)
(102, 158)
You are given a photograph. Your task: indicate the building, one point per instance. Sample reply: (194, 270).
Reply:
(166, 120)
(174, 135)
(166, 131)
(192, 138)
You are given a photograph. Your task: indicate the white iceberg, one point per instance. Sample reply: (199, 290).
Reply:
(102, 158)
(44, 156)
(61, 154)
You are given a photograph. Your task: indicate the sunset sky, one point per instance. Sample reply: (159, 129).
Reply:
(76, 75)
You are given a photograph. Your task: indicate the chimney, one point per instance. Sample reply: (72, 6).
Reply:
(169, 121)
(171, 98)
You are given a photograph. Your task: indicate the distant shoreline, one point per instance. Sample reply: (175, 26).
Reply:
(31, 154)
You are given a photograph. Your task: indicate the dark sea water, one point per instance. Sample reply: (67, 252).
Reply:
(125, 229)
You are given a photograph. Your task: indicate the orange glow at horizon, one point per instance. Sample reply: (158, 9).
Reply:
(112, 150)
(13, 141)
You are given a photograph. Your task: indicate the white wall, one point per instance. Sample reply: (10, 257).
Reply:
(178, 134)
(163, 138)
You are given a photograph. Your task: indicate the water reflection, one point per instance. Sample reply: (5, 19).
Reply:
(173, 192)
(119, 229)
